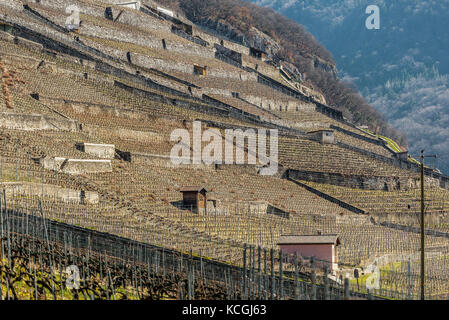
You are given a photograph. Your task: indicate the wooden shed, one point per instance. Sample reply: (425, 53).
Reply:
(322, 247)
(195, 197)
(199, 70)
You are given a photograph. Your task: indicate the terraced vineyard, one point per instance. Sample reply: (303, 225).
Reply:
(125, 86)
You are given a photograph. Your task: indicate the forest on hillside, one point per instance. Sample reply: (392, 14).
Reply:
(402, 69)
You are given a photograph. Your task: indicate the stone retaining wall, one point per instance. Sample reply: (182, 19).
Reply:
(28, 44)
(4, 36)
(164, 161)
(413, 217)
(102, 151)
(52, 191)
(250, 169)
(29, 61)
(32, 122)
(260, 66)
(277, 105)
(125, 134)
(353, 219)
(362, 182)
(13, 4)
(76, 166)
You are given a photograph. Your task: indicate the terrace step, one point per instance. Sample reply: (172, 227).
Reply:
(102, 151)
(51, 191)
(33, 122)
(76, 166)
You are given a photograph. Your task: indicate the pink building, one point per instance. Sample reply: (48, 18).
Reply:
(322, 247)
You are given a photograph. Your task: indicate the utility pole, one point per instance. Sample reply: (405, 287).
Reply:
(422, 223)
(422, 226)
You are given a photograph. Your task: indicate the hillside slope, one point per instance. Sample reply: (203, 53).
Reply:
(402, 69)
(88, 123)
(288, 41)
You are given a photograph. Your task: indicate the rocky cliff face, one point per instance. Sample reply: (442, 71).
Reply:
(319, 63)
(261, 41)
(255, 38)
